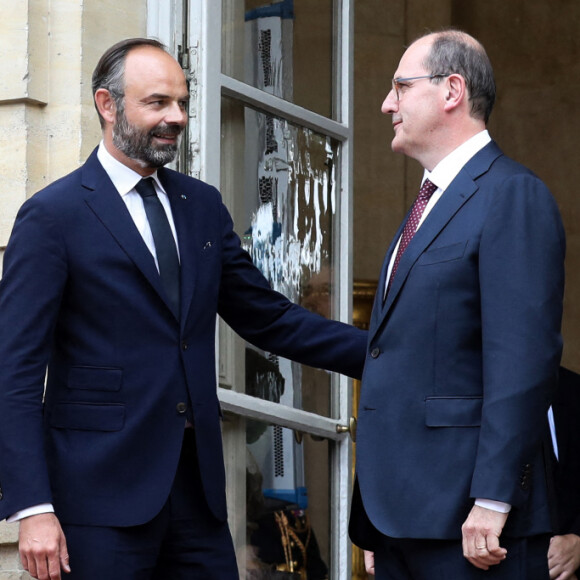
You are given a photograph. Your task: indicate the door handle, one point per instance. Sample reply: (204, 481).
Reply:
(350, 428)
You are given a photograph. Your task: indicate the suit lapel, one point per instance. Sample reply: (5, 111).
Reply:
(458, 192)
(379, 304)
(106, 203)
(462, 188)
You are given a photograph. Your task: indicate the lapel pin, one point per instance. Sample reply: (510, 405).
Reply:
(183, 196)
(207, 245)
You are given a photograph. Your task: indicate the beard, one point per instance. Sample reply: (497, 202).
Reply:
(138, 143)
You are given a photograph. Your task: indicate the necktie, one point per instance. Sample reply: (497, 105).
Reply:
(165, 247)
(427, 190)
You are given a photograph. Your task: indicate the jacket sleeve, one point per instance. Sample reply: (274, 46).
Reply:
(34, 276)
(270, 321)
(521, 266)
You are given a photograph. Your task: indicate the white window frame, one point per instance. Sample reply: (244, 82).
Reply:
(202, 61)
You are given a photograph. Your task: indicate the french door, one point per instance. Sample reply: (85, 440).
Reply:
(270, 125)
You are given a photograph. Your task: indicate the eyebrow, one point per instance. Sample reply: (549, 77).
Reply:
(162, 96)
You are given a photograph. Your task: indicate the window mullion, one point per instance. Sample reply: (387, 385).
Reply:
(271, 104)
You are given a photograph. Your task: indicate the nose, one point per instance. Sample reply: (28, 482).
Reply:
(176, 114)
(390, 104)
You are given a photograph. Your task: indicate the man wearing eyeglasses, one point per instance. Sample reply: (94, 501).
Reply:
(464, 342)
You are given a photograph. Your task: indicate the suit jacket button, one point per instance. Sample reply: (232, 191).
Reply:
(375, 352)
(181, 408)
(184, 345)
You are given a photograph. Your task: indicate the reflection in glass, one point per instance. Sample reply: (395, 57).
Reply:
(287, 511)
(282, 47)
(286, 219)
(290, 203)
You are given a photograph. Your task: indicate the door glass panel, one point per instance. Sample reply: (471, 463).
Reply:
(287, 509)
(283, 48)
(286, 217)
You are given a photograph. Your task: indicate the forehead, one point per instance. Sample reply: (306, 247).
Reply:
(411, 63)
(152, 69)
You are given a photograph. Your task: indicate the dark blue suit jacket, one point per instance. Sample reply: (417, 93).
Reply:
(81, 294)
(566, 407)
(463, 357)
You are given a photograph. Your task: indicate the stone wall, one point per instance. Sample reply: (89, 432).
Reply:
(10, 568)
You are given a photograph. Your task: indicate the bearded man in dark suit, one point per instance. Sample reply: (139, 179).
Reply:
(113, 279)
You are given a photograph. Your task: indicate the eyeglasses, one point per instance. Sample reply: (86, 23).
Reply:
(399, 83)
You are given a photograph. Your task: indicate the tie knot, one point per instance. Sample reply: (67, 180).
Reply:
(427, 189)
(145, 187)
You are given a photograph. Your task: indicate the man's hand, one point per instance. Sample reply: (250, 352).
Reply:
(564, 557)
(369, 562)
(42, 547)
(481, 532)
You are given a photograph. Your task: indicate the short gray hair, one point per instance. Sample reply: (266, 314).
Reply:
(455, 52)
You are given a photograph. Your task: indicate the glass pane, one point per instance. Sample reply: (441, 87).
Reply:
(287, 509)
(282, 47)
(285, 216)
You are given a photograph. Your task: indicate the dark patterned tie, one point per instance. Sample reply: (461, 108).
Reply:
(427, 190)
(165, 247)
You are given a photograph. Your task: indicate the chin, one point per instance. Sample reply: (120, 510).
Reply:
(397, 146)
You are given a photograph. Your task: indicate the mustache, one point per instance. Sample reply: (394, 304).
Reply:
(165, 129)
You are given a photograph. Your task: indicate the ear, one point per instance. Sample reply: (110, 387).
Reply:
(456, 92)
(105, 105)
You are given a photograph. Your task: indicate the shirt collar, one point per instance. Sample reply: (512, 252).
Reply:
(124, 178)
(448, 168)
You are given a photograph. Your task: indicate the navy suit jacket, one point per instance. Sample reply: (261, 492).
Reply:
(81, 295)
(566, 407)
(463, 358)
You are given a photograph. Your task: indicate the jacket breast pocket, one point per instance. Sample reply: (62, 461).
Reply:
(443, 254)
(88, 416)
(95, 378)
(453, 411)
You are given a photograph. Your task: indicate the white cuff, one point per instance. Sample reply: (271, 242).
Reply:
(43, 508)
(492, 504)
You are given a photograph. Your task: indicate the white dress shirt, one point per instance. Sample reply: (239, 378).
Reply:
(552, 423)
(442, 176)
(125, 179)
